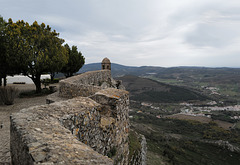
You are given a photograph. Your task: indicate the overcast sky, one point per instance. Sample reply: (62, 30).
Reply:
(141, 32)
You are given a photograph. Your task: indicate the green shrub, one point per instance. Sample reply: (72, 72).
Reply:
(8, 94)
(55, 80)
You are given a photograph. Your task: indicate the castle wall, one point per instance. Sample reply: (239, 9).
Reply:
(85, 84)
(139, 155)
(81, 130)
(39, 136)
(115, 121)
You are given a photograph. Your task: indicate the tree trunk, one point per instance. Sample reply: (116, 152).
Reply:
(52, 76)
(5, 80)
(37, 82)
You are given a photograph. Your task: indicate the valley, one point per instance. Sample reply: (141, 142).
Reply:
(189, 115)
(186, 122)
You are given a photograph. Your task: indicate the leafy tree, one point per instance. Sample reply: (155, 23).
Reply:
(34, 50)
(75, 62)
(3, 55)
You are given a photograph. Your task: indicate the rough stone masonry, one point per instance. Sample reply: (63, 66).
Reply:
(86, 123)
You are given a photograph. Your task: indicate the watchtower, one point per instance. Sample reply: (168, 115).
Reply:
(106, 64)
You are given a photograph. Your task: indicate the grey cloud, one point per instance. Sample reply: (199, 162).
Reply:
(213, 35)
(140, 32)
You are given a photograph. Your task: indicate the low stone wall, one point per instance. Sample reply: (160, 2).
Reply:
(92, 78)
(52, 133)
(70, 90)
(85, 84)
(39, 136)
(138, 149)
(71, 127)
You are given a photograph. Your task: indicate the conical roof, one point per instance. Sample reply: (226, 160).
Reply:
(106, 61)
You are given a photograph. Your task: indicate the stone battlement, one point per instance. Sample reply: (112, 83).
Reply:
(87, 123)
(38, 135)
(85, 84)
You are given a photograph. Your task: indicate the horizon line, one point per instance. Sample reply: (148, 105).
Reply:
(183, 66)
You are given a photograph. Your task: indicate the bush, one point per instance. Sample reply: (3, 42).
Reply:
(55, 80)
(8, 94)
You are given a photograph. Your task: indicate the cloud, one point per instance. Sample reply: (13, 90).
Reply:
(140, 32)
(217, 30)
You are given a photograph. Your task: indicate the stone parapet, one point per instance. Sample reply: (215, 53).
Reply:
(70, 90)
(85, 121)
(42, 134)
(39, 134)
(85, 84)
(115, 111)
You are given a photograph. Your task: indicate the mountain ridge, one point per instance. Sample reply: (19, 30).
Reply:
(119, 70)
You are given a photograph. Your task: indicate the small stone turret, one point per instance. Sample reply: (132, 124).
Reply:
(106, 64)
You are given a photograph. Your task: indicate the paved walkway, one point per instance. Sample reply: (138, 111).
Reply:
(5, 112)
(4, 138)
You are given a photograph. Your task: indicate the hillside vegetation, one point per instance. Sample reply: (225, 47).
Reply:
(225, 80)
(186, 142)
(143, 89)
(157, 94)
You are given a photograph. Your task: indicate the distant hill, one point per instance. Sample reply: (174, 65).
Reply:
(117, 69)
(226, 80)
(188, 74)
(121, 70)
(143, 89)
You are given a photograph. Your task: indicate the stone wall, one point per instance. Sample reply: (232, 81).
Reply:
(114, 121)
(105, 129)
(85, 84)
(138, 148)
(39, 136)
(81, 130)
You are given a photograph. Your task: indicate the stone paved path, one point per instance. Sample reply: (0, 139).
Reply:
(4, 137)
(5, 112)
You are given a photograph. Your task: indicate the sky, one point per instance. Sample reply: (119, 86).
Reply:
(162, 33)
